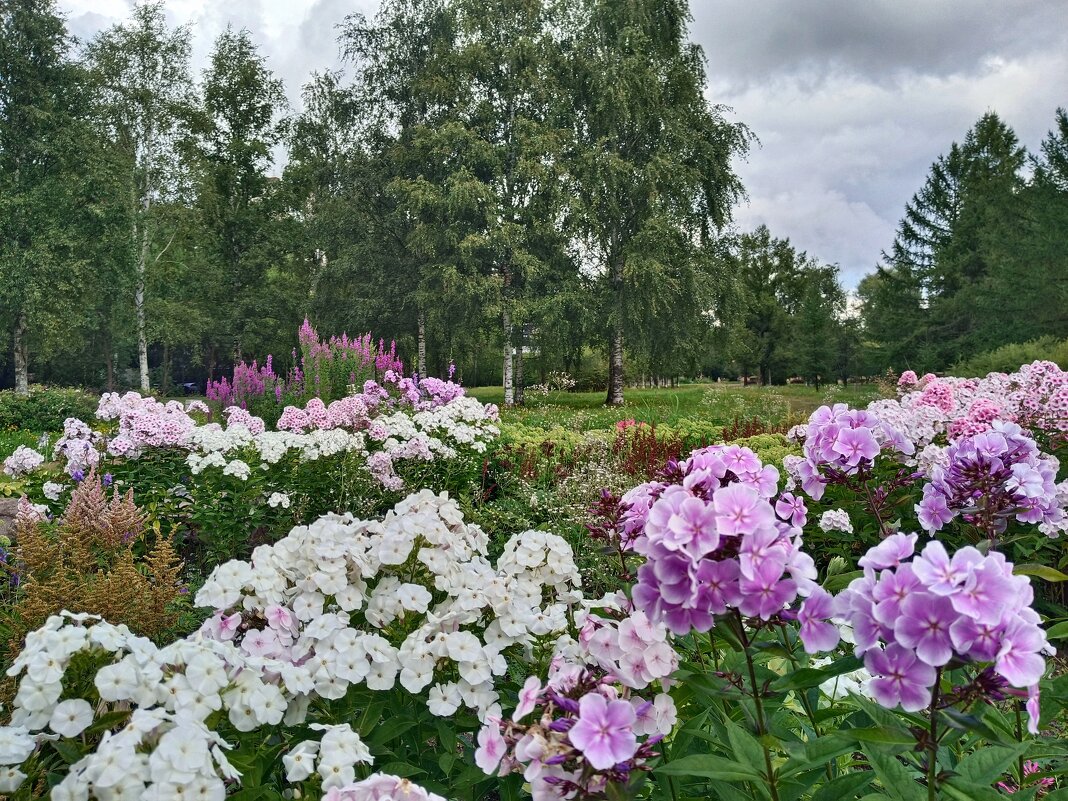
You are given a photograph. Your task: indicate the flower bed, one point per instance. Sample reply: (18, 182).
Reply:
(855, 625)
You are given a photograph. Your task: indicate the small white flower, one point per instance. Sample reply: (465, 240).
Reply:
(70, 718)
(278, 499)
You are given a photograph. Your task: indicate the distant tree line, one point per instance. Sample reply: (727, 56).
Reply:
(512, 186)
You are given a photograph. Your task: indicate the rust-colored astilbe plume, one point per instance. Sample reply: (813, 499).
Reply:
(97, 558)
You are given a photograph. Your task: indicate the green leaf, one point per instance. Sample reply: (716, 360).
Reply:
(884, 735)
(841, 580)
(1057, 632)
(745, 746)
(402, 769)
(390, 729)
(709, 767)
(1040, 571)
(898, 782)
(961, 790)
(813, 677)
(68, 751)
(986, 765)
(818, 752)
(845, 786)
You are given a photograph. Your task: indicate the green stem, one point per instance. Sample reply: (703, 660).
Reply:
(1019, 737)
(761, 723)
(932, 749)
(802, 697)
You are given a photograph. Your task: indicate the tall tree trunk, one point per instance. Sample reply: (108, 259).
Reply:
(421, 325)
(139, 294)
(110, 364)
(519, 366)
(506, 325)
(22, 355)
(509, 385)
(615, 344)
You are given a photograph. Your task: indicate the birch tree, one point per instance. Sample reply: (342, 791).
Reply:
(145, 100)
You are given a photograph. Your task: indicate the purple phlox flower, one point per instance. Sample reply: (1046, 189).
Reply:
(856, 444)
(740, 510)
(1019, 660)
(604, 732)
(791, 507)
(767, 592)
(761, 545)
(1032, 707)
(692, 526)
(890, 552)
(986, 594)
(900, 678)
(893, 587)
(816, 633)
(924, 626)
(932, 511)
(491, 748)
(720, 580)
(939, 573)
(979, 641)
(1026, 481)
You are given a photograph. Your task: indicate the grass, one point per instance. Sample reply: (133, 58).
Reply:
(721, 403)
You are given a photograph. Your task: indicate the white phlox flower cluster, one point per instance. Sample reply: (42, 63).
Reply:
(410, 599)
(22, 461)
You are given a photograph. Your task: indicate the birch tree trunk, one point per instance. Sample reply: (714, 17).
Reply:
(509, 384)
(519, 398)
(421, 363)
(22, 355)
(615, 345)
(506, 325)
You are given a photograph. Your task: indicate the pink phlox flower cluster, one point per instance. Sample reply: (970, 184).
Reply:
(911, 615)
(350, 413)
(585, 734)
(908, 380)
(980, 417)
(145, 422)
(1035, 396)
(991, 477)
(844, 441)
(381, 787)
(22, 461)
(712, 542)
(938, 394)
(236, 416)
(634, 651)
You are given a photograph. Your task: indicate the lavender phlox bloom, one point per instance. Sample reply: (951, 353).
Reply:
(604, 732)
(890, 552)
(910, 618)
(899, 678)
(815, 632)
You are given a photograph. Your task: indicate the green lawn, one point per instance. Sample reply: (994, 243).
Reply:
(719, 402)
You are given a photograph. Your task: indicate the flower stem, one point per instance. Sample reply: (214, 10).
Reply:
(761, 723)
(1019, 738)
(932, 747)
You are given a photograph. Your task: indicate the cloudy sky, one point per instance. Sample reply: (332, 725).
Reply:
(851, 101)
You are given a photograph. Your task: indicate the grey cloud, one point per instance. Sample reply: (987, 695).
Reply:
(749, 41)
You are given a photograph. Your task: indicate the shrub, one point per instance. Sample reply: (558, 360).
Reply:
(44, 409)
(1009, 357)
